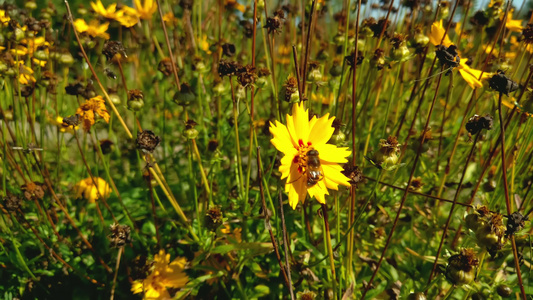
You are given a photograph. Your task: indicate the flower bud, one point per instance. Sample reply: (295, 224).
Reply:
(240, 93)
(135, 100)
(185, 96)
(314, 75)
(115, 99)
(219, 89)
(17, 34)
(66, 58)
(420, 39)
(41, 55)
(30, 5)
(504, 291)
(190, 132)
(401, 54)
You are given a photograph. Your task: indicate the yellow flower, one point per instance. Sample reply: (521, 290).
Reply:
(145, 11)
(25, 73)
(86, 189)
(109, 13)
(170, 19)
(4, 19)
(93, 29)
(513, 25)
(164, 275)
(436, 34)
(127, 17)
(89, 109)
(204, 44)
(471, 75)
(235, 5)
(296, 140)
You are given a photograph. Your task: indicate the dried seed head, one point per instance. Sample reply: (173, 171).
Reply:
(228, 68)
(165, 66)
(112, 48)
(107, 146)
(354, 173)
(476, 123)
(33, 190)
(480, 19)
(74, 89)
(502, 84)
(527, 34)
(228, 49)
(147, 141)
(351, 58)
(248, 28)
(515, 222)
(448, 56)
(212, 145)
(213, 218)
(32, 24)
(12, 202)
(120, 235)
(186, 4)
(416, 184)
(246, 75)
(398, 40)
(275, 23)
(466, 260)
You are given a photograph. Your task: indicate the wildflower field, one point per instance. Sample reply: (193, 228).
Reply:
(258, 149)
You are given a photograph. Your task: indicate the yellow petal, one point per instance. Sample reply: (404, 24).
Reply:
(282, 140)
(300, 117)
(331, 153)
(321, 130)
(436, 34)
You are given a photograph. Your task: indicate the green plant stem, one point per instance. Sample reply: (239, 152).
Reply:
(330, 250)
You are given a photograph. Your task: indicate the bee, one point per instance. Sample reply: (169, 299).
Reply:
(110, 73)
(314, 170)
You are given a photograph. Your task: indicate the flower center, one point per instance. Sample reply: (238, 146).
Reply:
(301, 157)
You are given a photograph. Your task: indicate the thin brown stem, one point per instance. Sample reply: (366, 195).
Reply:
(507, 200)
(404, 197)
(450, 214)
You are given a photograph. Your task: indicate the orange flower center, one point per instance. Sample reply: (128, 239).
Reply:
(301, 157)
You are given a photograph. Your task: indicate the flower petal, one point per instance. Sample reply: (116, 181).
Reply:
(282, 139)
(321, 130)
(300, 118)
(331, 153)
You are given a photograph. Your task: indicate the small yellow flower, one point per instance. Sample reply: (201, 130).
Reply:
(513, 25)
(86, 189)
(89, 109)
(204, 44)
(109, 13)
(170, 19)
(25, 73)
(4, 19)
(296, 140)
(164, 274)
(471, 76)
(436, 34)
(146, 10)
(235, 5)
(94, 28)
(127, 16)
